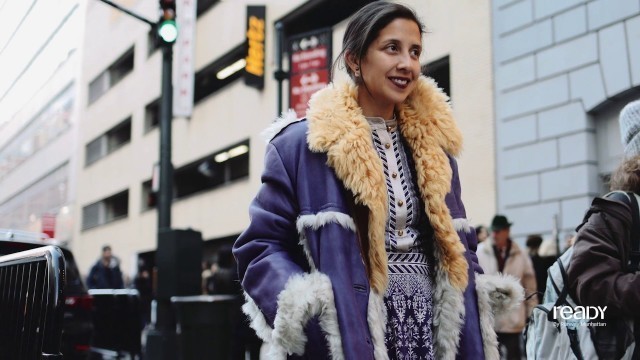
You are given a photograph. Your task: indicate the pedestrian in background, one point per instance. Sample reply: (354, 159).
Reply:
(358, 242)
(205, 275)
(600, 273)
(540, 263)
(481, 233)
(142, 283)
(105, 273)
(500, 254)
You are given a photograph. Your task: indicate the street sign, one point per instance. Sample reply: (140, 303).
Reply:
(184, 63)
(310, 63)
(254, 67)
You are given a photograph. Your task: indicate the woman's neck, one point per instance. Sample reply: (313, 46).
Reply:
(371, 108)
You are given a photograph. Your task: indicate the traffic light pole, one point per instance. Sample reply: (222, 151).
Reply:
(161, 340)
(166, 168)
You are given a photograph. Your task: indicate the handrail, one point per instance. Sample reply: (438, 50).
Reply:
(32, 303)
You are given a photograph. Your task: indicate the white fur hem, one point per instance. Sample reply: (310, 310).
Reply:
(448, 316)
(377, 320)
(504, 292)
(288, 117)
(489, 337)
(303, 297)
(462, 224)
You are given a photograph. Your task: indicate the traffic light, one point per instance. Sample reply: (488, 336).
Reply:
(167, 27)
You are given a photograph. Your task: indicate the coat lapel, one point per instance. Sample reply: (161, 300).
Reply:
(338, 128)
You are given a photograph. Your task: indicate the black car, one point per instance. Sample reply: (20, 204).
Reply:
(77, 328)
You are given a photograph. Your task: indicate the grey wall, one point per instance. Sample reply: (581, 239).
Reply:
(559, 65)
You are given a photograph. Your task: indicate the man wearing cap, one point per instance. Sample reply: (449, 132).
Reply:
(499, 254)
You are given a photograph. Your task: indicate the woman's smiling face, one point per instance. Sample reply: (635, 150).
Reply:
(390, 68)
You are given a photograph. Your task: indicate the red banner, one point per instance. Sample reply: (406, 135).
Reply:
(49, 224)
(310, 62)
(305, 85)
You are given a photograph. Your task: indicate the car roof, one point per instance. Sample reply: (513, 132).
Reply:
(29, 237)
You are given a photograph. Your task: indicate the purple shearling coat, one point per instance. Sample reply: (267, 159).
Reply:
(312, 260)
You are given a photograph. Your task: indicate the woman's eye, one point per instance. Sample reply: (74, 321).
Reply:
(392, 47)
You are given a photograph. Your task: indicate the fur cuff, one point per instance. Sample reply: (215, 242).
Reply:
(287, 117)
(462, 224)
(504, 292)
(489, 337)
(303, 297)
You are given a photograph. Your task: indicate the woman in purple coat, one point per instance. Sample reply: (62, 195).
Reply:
(358, 246)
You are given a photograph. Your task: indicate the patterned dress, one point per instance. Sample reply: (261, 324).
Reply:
(408, 300)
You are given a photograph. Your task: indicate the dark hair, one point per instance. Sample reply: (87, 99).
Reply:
(365, 26)
(479, 229)
(534, 241)
(106, 247)
(627, 176)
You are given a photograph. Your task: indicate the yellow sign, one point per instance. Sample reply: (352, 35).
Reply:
(255, 55)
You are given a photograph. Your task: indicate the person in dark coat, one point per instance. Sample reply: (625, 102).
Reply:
(599, 273)
(358, 245)
(540, 263)
(105, 273)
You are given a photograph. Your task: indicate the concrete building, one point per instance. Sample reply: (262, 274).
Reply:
(563, 70)
(213, 188)
(40, 58)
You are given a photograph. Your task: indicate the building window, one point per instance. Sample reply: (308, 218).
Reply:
(204, 5)
(439, 70)
(149, 197)
(111, 76)
(209, 172)
(109, 142)
(110, 209)
(49, 124)
(152, 115)
(153, 43)
(220, 73)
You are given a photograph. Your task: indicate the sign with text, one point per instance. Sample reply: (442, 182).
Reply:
(310, 63)
(184, 63)
(254, 68)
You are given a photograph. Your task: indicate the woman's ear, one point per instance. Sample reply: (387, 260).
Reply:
(353, 65)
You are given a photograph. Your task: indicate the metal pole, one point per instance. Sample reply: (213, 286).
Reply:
(161, 339)
(166, 113)
(279, 73)
(127, 11)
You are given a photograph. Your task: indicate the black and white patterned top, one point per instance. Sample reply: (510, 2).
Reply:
(408, 299)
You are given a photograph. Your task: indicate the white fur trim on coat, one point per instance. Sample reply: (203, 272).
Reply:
(288, 117)
(489, 337)
(303, 297)
(462, 224)
(504, 292)
(316, 221)
(448, 315)
(377, 320)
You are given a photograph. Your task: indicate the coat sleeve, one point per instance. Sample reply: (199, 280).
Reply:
(470, 234)
(91, 279)
(267, 251)
(597, 276)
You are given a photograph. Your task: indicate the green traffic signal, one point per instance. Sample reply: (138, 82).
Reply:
(168, 31)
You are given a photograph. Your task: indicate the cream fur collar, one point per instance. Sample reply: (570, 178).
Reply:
(338, 128)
